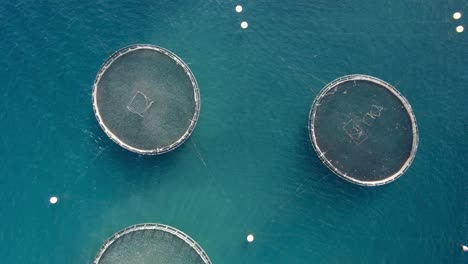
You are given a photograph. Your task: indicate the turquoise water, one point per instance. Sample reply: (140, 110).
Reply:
(249, 166)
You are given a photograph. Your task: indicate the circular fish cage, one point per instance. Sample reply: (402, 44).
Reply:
(151, 243)
(363, 130)
(146, 99)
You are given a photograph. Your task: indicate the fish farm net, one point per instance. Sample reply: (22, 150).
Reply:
(363, 130)
(146, 99)
(151, 243)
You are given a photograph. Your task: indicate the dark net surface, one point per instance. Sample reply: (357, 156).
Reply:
(363, 131)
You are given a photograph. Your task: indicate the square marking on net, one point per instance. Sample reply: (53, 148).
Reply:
(139, 104)
(355, 132)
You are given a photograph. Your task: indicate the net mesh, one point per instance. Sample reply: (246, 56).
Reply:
(363, 129)
(151, 243)
(146, 99)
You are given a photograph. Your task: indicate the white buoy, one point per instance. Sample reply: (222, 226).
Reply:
(244, 25)
(457, 15)
(464, 248)
(238, 8)
(459, 29)
(250, 238)
(53, 200)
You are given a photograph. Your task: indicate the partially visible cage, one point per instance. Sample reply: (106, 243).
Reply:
(151, 243)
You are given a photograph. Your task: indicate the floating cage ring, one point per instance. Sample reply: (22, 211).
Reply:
(363, 134)
(156, 234)
(146, 99)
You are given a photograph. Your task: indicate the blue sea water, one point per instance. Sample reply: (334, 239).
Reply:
(249, 166)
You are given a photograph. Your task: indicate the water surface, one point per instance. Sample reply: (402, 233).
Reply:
(249, 166)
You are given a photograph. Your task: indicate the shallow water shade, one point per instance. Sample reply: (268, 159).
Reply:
(151, 243)
(146, 99)
(363, 130)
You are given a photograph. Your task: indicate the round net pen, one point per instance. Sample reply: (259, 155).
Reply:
(363, 130)
(146, 99)
(151, 243)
